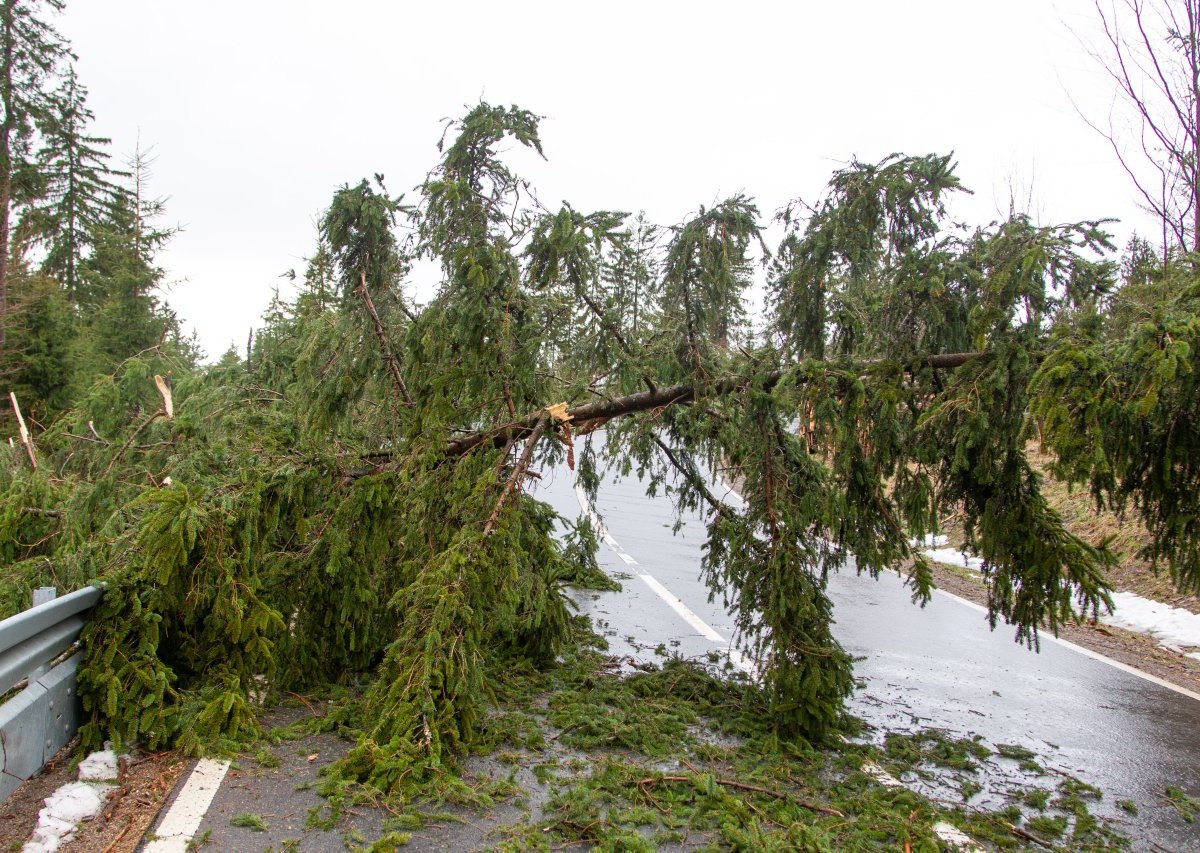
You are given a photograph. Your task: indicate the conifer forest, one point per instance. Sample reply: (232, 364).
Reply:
(349, 504)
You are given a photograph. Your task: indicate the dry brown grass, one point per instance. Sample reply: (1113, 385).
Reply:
(1079, 512)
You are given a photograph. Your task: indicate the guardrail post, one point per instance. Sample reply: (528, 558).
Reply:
(40, 596)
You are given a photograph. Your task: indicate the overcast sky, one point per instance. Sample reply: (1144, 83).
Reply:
(257, 110)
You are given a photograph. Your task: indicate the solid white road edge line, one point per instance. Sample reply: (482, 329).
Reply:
(1124, 667)
(189, 808)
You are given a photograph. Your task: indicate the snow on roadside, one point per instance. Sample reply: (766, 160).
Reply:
(936, 550)
(74, 803)
(1174, 628)
(954, 557)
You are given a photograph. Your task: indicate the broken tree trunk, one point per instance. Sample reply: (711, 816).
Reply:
(590, 416)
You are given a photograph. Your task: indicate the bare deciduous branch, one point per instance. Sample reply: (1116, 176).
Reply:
(1158, 77)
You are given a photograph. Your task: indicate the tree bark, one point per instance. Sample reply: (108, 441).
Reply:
(6, 168)
(600, 411)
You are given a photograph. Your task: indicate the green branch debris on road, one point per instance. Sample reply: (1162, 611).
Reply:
(584, 753)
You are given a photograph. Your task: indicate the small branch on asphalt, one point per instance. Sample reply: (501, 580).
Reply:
(1028, 836)
(741, 786)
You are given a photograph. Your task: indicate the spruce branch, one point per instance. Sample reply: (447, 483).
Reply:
(161, 413)
(742, 786)
(385, 347)
(518, 470)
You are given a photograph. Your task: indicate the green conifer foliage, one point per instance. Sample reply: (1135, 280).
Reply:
(352, 499)
(39, 358)
(1117, 399)
(123, 314)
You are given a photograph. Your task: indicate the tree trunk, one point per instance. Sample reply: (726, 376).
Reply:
(590, 416)
(6, 95)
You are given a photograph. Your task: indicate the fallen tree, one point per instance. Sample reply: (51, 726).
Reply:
(351, 498)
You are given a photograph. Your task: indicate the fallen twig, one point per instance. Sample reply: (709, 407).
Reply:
(34, 510)
(742, 786)
(113, 845)
(307, 704)
(1029, 836)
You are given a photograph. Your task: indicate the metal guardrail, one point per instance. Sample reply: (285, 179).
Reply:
(39, 720)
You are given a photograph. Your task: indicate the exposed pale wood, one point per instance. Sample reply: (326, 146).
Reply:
(168, 402)
(26, 439)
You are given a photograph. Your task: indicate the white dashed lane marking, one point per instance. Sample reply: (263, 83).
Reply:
(736, 657)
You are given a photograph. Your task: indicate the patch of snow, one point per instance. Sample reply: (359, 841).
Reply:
(930, 541)
(1173, 627)
(881, 776)
(935, 549)
(954, 557)
(99, 767)
(73, 803)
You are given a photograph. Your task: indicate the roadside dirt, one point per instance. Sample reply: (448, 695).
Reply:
(146, 779)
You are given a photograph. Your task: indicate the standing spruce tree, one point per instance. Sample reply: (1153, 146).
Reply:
(77, 197)
(30, 53)
(354, 500)
(123, 315)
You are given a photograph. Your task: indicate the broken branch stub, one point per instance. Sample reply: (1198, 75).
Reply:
(26, 439)
(168, 403)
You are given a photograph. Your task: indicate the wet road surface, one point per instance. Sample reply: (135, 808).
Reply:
(937, 667)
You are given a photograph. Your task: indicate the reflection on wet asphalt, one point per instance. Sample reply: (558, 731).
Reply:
(936, 667)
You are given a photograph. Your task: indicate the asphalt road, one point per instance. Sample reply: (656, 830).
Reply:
(934, 667)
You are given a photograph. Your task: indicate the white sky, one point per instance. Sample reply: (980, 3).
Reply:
(259, 109)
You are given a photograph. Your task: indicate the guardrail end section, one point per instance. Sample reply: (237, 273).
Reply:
(22, 732)
(38, 722)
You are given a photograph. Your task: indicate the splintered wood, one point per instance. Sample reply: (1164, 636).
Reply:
(560, 414)
(23, 430)
(168, 402)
